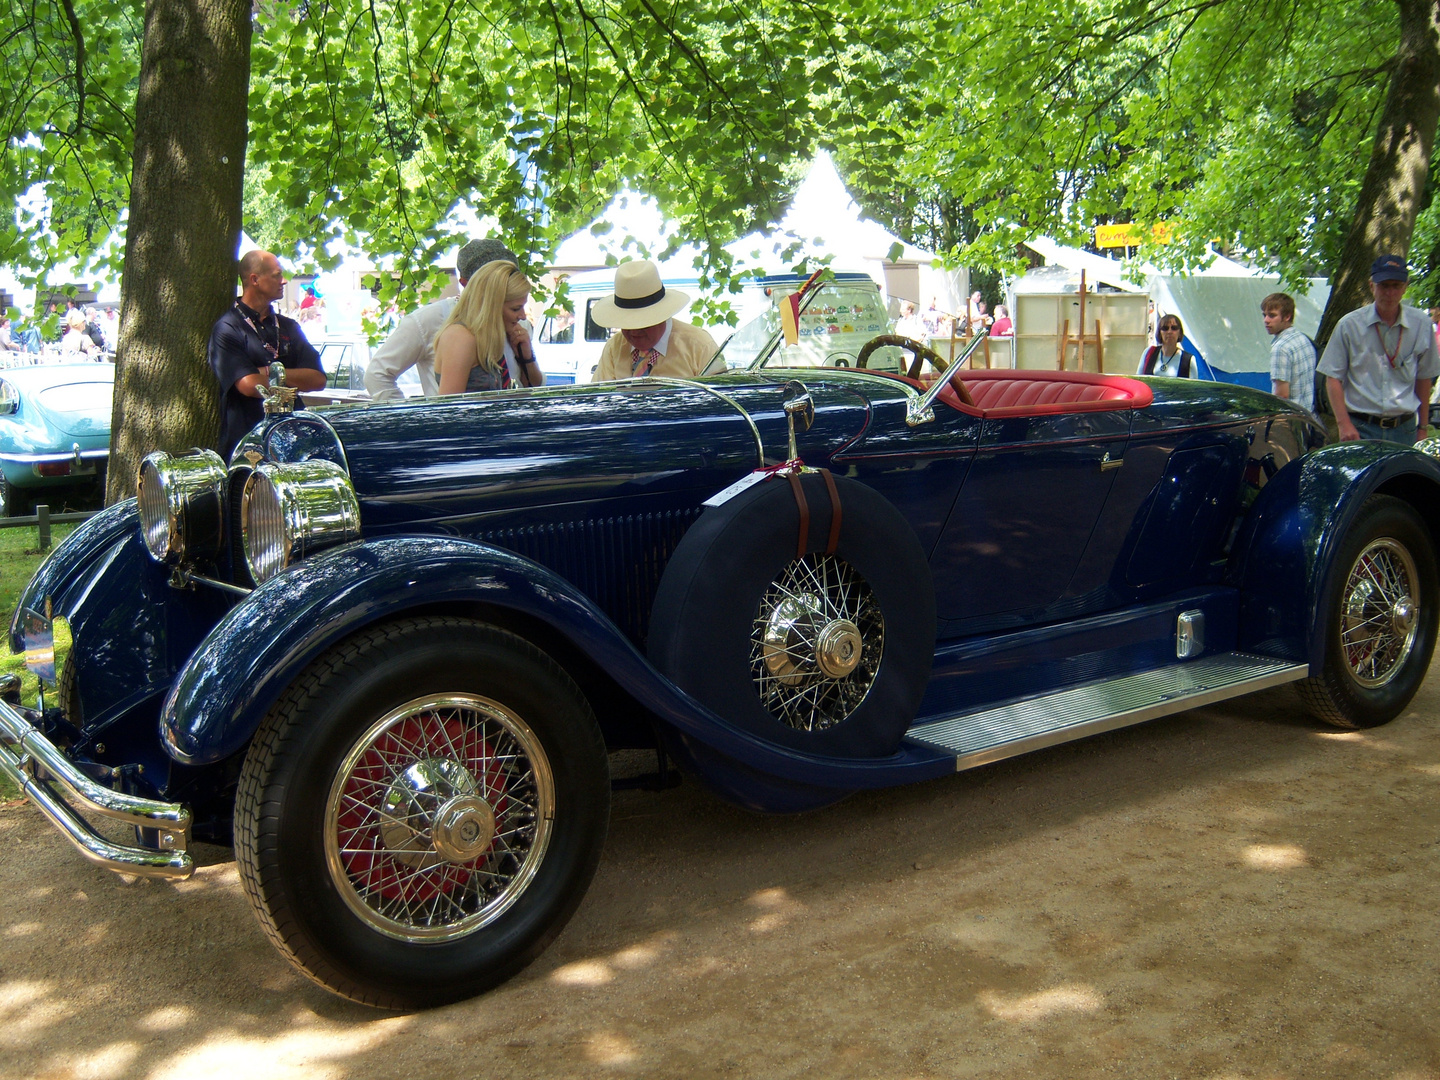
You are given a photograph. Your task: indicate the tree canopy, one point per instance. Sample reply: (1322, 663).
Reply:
(1295, 132)
(1249, 124)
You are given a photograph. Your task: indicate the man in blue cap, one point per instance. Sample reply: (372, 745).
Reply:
(1381, 362)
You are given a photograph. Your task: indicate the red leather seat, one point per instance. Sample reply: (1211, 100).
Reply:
(1047, 393)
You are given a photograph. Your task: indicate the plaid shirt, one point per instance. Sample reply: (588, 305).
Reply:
(1292, 360)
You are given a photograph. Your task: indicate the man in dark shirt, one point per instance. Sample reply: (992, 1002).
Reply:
(244, 341)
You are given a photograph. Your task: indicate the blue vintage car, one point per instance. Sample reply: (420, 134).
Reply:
(388, 648)
(54, 431)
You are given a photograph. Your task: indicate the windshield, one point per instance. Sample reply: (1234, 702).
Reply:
(838, 318)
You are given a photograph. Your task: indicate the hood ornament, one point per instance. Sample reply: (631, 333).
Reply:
(279, 398)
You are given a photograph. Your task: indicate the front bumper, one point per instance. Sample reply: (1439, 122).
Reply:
(61, 791)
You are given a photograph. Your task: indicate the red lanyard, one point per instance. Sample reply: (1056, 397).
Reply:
(1399, 337)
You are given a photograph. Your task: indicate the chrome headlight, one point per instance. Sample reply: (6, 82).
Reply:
(181, 499)
(291, 510)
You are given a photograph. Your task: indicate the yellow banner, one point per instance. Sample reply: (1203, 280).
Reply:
(1129, 234)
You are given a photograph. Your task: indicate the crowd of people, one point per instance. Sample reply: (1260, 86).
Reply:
(937, 323)
(1379, 366)
(81, 333)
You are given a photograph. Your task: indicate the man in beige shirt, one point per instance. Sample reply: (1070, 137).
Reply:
(650, 341)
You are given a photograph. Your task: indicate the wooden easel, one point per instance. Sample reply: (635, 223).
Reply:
(1081, 339)
(964, 340)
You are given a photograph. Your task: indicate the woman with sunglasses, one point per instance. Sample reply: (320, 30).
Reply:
(1167, 357)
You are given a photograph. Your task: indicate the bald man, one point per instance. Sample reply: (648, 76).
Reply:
(246, 338)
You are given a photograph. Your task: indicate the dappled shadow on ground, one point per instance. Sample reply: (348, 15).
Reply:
(1228, 892)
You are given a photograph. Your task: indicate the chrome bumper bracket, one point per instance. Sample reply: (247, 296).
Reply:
(62, 791)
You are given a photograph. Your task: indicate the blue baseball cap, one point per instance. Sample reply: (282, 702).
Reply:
(1389, 268)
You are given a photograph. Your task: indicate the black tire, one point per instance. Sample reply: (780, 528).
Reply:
(357, 841)
(1386, 561)
(718, 598)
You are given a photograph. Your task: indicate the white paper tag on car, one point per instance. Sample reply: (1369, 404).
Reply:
(747, 481)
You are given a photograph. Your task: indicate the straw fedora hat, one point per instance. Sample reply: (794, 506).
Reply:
(640, 298)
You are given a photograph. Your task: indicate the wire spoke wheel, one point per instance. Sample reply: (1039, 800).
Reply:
(1379, 614)
(439, 817)
(816, 644)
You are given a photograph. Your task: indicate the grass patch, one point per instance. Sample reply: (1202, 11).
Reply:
(20, 557)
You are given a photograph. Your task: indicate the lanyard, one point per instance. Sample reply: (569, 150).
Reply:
(1399, 337)
(274, 350)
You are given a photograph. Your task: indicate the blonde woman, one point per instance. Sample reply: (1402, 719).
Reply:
(482, 345)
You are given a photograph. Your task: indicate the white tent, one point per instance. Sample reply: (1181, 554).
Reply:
(1222, 319)
(1218, 305)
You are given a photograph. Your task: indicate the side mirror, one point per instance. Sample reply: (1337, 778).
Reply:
(799, 411)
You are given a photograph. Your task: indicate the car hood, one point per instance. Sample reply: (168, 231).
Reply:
(474, 456)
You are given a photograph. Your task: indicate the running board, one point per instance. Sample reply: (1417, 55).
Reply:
(978, 738)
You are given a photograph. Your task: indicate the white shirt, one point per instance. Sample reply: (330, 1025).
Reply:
(410, 344)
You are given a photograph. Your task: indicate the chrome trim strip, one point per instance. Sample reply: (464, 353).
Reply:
(53, 783)
(41, 459)
(664, 380)
(990, 735)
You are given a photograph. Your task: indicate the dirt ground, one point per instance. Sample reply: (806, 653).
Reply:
(1226, 893)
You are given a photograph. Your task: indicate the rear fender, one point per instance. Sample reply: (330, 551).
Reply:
(1285, 551)
(266, 641)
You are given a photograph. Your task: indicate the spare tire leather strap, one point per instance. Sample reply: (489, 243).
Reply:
(834, 540)
(804, 509)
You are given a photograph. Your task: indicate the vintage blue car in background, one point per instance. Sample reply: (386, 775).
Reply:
(388, 648)
(54, 431)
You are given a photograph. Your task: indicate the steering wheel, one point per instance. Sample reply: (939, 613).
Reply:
(922, 353)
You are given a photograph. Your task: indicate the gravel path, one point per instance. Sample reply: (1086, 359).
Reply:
(1228, 893)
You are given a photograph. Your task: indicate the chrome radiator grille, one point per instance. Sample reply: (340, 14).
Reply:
(616, 561)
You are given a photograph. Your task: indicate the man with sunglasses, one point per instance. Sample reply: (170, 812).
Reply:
(1381, 362)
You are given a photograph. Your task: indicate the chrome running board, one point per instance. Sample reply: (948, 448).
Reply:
(978, 738)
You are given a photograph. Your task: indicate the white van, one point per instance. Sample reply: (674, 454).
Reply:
(568, 345)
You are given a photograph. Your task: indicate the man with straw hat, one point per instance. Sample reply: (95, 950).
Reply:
(651, 341)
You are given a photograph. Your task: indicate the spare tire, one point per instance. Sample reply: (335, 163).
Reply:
(826, 652)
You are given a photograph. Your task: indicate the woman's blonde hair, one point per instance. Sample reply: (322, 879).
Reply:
(480, 309)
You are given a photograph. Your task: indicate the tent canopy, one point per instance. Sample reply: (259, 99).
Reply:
(822, 219)
(1222, 317)
(1219, 305)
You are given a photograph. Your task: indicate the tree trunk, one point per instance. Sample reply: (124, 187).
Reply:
(1399, 163)
(184, 224)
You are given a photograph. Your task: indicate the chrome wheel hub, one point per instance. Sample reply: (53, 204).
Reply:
(817, 643)
(439, 817)
(464, 828)
(838, 648)
(411, 803)
(1379, 615)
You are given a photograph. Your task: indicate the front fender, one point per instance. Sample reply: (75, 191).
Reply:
(66, 565)
(1285, 552)
(266, 641)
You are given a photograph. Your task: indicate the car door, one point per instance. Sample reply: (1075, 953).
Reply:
(1024, 515)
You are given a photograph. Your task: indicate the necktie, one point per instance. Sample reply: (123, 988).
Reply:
(504, 374)
(643, 361)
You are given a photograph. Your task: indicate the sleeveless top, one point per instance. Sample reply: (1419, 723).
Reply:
(483, 378)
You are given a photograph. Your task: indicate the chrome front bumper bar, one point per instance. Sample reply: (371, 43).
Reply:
(53, 783)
